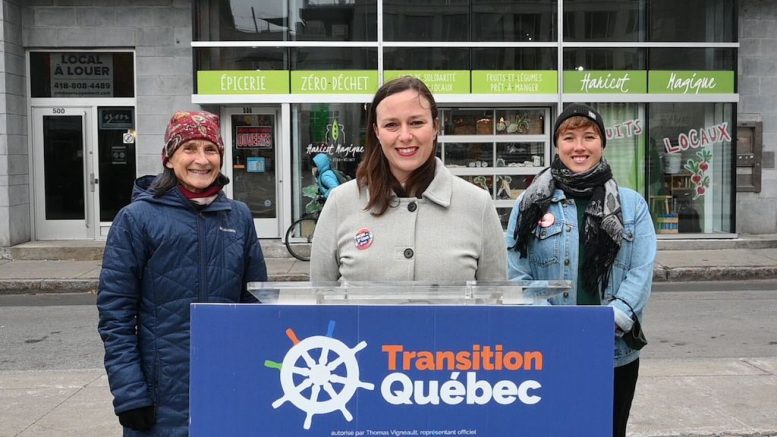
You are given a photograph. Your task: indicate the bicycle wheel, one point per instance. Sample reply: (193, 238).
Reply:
(299, 236)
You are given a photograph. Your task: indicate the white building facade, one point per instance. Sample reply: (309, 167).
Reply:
(687, 90)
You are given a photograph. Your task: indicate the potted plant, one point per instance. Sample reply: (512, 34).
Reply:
(522, 123)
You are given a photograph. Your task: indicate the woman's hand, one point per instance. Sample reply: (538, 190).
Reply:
(139, 419)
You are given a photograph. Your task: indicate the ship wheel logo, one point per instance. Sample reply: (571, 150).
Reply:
(303, 378)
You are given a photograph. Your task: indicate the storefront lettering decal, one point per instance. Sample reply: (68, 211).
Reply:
(698, 168)
(334, 82)
(619, 84)
(605, 82)
(439, 82)
(691, 82)
(627, 129)
(335, 131)
(254, 137)
(514, 82)
(243, 83)
(116, 118)
(696, 138)
(342, 152)
(229, 82)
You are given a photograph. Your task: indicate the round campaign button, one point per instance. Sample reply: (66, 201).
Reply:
(363, 239)
(547, 220)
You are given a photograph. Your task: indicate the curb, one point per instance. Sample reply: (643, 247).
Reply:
(716, 273)
(38, 286)
(33, 286)
(660, 274)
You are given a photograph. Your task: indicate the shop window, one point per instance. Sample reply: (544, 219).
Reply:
(337, 129)
(82, 74)
(254, 167)
(116, 143)
(497, 149)
(241, 58)
(270, 20)
(334, 58)
(690, 182)
(426, 20)
(692, 20)
(624, 125)
(509, 20)
(431, 58)
(514, 58)
(467, 20)
(696, 59)
(604, 59)
(598, 20)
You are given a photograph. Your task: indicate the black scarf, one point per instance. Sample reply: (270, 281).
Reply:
(604, 220)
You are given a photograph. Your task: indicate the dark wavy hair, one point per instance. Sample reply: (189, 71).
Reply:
(374, 172)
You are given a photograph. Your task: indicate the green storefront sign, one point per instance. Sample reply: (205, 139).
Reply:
(438, 81)
(334, 82)
(514, 82)
(691, 82)
(239, 82)
(605, 82)
(242, 82)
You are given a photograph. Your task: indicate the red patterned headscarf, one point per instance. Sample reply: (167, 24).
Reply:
(191, 125)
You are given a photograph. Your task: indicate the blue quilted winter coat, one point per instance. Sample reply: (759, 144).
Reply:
(161, 255)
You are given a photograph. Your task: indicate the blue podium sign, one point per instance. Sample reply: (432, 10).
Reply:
(276, 370)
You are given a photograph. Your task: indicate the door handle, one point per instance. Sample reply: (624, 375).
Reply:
(92, 182)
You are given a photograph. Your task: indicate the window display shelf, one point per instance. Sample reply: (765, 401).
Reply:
(466, 171)
(492, 138)
(499, 150)
(506, 203)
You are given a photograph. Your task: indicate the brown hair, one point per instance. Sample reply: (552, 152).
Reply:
(374, 171)
(576, 122)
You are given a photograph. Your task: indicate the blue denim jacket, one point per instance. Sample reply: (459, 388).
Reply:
(552, 255)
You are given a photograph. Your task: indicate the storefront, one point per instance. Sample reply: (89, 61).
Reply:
(82, 114)
(661, 73)
(292, 78)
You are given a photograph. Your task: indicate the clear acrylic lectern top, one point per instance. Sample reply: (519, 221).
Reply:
(407, 293)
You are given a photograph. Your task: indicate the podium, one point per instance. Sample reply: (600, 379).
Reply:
(401, 359)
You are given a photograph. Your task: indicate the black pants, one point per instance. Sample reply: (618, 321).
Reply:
(625, 384)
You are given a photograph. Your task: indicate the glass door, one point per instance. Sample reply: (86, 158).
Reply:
(64, 180)
(254, 165)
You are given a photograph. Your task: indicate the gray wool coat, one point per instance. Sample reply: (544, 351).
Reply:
(451, 234)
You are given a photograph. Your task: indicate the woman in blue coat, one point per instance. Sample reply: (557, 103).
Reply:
(574, 223)
(180, 241)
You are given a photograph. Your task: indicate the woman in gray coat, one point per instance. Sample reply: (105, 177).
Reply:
(406, 217)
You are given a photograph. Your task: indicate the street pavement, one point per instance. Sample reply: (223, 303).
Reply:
(680, 397)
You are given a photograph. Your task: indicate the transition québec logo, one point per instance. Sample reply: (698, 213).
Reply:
(321, 374)
(337, 376)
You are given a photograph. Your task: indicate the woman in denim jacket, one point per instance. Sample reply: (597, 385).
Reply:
(574, 223)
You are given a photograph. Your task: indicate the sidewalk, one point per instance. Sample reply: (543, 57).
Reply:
(722, 397)
(697, 263)
(47, 276)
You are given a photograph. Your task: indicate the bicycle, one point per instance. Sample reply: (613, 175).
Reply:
(299, 236)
